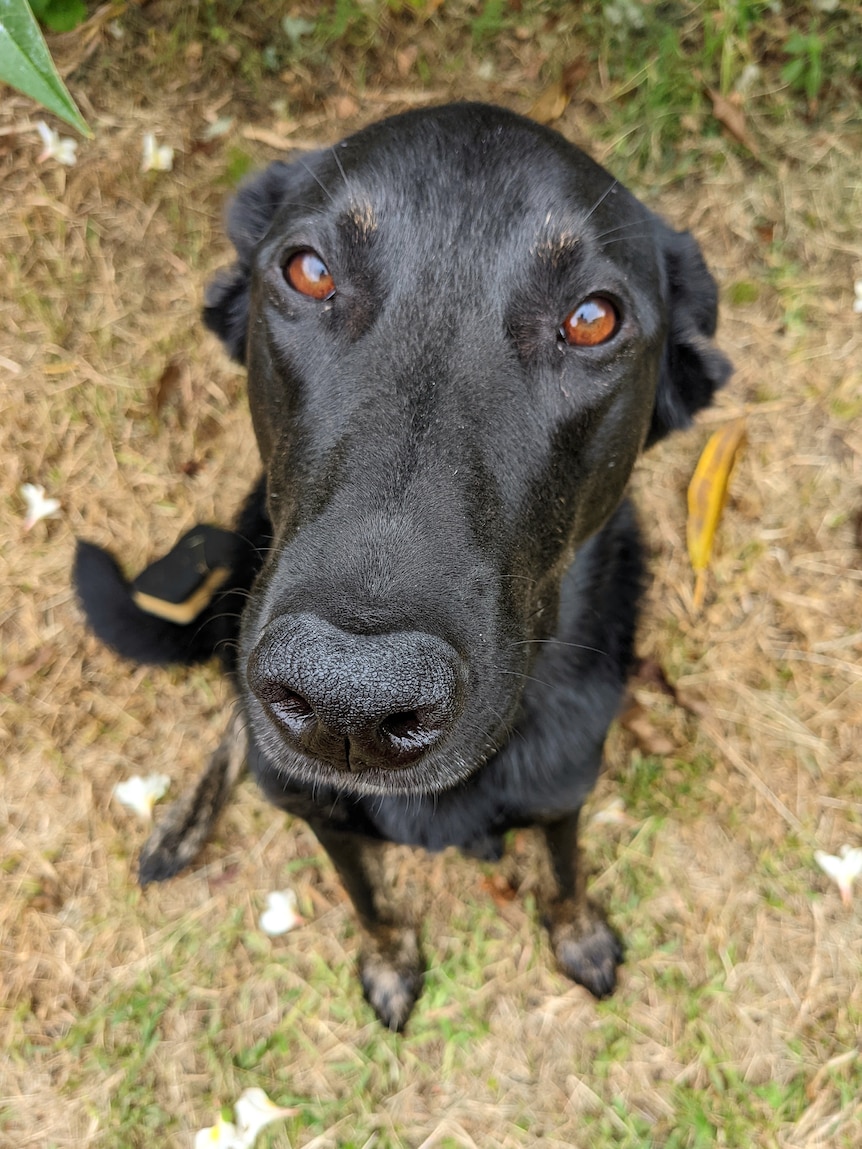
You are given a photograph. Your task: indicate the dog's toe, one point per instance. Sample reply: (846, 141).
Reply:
(174, 842)
(392, 979)
(589, 956)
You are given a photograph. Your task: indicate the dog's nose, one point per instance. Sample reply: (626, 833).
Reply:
(356, 700)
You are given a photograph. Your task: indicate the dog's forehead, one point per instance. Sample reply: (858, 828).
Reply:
(478, 174)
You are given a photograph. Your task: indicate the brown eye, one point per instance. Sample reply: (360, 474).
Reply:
(592, 322)
(306, 273)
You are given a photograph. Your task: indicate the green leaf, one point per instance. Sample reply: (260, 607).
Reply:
(791, 73)
(59, 15)
(26, 64)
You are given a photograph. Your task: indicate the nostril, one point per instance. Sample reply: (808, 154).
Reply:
(411, 732)
(293, 703)
(289, 707)
(404, 725)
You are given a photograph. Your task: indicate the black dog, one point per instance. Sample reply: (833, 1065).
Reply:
(459, 332)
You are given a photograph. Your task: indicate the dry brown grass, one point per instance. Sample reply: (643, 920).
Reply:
(127, 1017)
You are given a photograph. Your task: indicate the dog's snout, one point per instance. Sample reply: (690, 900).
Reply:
(356, 700)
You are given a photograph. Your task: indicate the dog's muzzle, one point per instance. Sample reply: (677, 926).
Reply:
(356, 701)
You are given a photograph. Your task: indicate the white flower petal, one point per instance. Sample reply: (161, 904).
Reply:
(67, 152)
(829, 863)
(50, 139)
(842, 868)
(280, 914)
(156, 158)
(141, 794)
(253, 1111)
(614, 813)
(63, 150)
(38, 507)
(222, 1135)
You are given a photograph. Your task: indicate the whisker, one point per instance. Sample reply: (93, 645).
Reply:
(631, 224)
(560, 642)
(611, 187)
(340, 166)
(317, 180)
(523, 676)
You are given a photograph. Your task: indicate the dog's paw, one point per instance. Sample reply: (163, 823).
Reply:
(391, 976)
(588, 953)
(176, 840)
(160, 859)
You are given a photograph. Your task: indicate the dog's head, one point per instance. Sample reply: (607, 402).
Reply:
(459, 332)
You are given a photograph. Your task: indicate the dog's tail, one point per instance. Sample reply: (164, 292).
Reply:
(154, 626)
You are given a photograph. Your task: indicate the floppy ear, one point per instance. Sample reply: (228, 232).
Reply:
(692, 367)
(249, 216)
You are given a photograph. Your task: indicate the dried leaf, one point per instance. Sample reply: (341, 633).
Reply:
(346, 107)
(169, 381)
(405, 59)
(228, 875)
(693, 703)
(551, 104)
(649, 738)
(48, 898)
(707, 493)
(499, 888)
(765, 232)
(280, 142)
(650, 673)
(575, 74)
(24, 670)
(730, 115)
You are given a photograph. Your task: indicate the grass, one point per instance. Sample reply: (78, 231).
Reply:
(655, 61)
(130, 1018)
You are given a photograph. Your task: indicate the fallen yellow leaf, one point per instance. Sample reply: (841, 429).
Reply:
(707, 493)
(550, 104)
(729, 113)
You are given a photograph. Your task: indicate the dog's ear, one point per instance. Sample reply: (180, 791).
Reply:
(692, 367)
(248, 219)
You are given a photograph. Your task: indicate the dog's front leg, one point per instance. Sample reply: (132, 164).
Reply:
(390, 964)
(586, 948)
(186, 825)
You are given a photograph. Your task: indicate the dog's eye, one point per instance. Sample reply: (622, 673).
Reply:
(593, 321)
(306, 273)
